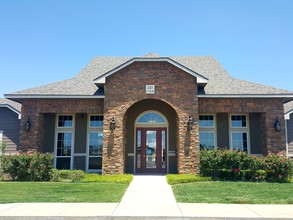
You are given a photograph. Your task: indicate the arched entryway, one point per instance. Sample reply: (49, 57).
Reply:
(151, 140)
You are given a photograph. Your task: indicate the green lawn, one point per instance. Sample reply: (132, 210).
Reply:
(17, 192)
(234, 192)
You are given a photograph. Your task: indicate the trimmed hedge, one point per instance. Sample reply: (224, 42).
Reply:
(28, 167)
(65, 175)
(238, 165)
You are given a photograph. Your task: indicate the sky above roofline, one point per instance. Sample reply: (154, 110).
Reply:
(47, 41)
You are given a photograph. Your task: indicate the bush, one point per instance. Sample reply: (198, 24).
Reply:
(238, 165)
(115, 178)
(28, 167)
(185, 178)
(65, 175)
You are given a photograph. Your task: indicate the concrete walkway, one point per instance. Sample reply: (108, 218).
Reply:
(148, 197)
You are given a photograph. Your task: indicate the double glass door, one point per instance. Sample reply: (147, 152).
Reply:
(151, 152)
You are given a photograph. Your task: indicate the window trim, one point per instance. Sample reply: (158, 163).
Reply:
(91, 130)
(239, 130)
(209, 129)
(64, 130)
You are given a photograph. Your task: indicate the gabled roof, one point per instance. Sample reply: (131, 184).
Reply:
(13, 106)
(220, 84)
(200, 79)
(288, 109)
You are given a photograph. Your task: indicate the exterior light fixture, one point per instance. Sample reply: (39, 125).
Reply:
(112, 124)
(277, 125)
(190, 123)
(27, 125)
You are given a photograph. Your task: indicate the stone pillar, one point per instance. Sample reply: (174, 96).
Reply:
(113, 148)
(188, 146)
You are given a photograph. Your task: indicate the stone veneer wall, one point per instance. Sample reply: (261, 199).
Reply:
(34, 109)
(270, 109)
(126, 87)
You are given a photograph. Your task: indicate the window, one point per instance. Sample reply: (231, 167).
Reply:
(64, 142)
(239, 133)
(151, 118)
(95, 143)
(65, 121)
(207, 138)
(239, 141)
(206, 121)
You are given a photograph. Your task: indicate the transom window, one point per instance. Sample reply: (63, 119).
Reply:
(96, 121)
(206, 121)
(65, 121)
(207, 139)
(151, 118)
(238, 121)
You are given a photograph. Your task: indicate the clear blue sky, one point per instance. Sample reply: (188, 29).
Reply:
(44, 41)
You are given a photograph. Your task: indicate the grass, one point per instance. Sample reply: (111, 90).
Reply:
(234, 192)
(93, 188)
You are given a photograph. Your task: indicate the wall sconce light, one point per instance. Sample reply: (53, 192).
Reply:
(27, 125)
(190, 123)
(112, 124)
(277, 125)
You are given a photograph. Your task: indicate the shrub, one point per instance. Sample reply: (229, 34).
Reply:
(28, 167)
(65, 175)
(115, 178)
(238, 165)
(185, 178)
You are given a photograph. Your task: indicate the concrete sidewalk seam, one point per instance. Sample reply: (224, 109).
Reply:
(253, 211)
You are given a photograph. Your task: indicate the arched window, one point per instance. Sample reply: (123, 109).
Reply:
(151, 117)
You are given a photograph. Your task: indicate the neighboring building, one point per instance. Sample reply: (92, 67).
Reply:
(9, 124)
(150, 114)
(288, 109)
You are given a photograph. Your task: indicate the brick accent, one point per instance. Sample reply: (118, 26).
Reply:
(34, 109)
(270, 109)
(126, 87)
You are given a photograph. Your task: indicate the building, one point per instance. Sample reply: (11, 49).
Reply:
(150, 114)
(288, 110)
(9, 124)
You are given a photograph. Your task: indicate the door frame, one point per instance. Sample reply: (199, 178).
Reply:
(143, 156)
(150, 126)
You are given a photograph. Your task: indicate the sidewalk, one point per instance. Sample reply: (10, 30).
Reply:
(148, 197)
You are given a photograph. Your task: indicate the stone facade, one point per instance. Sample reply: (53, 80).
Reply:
(126, 87)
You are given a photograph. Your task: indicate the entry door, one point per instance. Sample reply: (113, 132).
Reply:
(151, 153)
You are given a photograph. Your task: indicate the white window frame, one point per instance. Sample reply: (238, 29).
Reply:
(209, 129)
(64, 130)
(1, 135)
(239, 130)
(92, 129)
